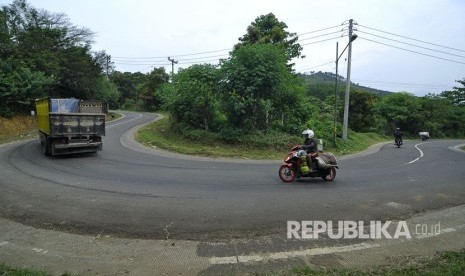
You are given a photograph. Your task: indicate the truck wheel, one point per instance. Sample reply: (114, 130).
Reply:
(46, 147)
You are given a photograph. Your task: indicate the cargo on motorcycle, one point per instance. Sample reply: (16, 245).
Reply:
(308, 161)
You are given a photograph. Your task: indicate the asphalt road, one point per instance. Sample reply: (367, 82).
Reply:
(128, 191)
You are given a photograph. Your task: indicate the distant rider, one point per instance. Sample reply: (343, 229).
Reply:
(398, 134)
(311, 147)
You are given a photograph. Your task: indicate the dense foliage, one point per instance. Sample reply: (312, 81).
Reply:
(44, 55)
(441, 115)
(267, 29)
(251, 93)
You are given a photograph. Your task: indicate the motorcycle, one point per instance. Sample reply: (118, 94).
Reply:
(295, 165)
(397, 142)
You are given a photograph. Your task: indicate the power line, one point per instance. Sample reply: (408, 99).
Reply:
(201, 53)
(138, 57)
(313, 37)
(209, 52)
(317, 66)
(434, 50)
(311, 32)
(143, 64)
(320, 41)
(400, 84)
(412, 51)
(413, 39)
(203, 57)
(203, 61)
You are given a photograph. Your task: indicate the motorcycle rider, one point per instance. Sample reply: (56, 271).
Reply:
(398, 134)
(311, 147)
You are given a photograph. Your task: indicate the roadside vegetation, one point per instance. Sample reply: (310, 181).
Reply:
(272, 145)
(10, 271)
(17, 128)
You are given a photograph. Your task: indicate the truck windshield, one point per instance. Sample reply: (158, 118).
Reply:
(65, 105)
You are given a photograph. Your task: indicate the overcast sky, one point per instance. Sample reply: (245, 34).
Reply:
(140, 34)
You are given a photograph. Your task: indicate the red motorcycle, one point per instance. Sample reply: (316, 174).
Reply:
(295, 165)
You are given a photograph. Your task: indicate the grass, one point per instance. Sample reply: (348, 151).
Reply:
(9, 271)
(160, 135)
(112, 116)
(17, 128)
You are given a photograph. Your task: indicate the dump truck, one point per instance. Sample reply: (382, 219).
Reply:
(68, 126)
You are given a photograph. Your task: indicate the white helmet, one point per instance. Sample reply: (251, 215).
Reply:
(308, 132)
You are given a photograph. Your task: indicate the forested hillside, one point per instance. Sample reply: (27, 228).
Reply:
(321, 83)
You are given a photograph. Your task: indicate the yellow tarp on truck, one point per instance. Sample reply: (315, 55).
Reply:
(70, 125)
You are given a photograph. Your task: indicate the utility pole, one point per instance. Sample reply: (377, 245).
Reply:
(335, 93)
(108, 64)
(172, 64)
(346, 106)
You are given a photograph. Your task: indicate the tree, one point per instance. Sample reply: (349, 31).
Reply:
(195, 101)
(44, 50)
(361, 116)
(128, 85)
(79, 74)
(456, 96)
(19, 86)
(255, 79)
(401, 110)
(267, 29)
(149, 90)
(104, 61)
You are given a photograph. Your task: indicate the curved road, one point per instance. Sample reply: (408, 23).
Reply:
(130, 191)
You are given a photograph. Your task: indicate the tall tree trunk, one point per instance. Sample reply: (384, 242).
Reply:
(205, 122)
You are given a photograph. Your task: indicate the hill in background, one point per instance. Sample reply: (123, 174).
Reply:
(321, 84)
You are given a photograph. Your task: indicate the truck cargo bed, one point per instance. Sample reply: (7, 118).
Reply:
(77, 124)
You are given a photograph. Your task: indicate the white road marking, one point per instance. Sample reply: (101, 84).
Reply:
(40, 250)
(421, 154)
(290, 254)
(313, 251)
(123, 122)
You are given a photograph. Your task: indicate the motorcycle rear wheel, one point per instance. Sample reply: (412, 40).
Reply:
(331, 175)
(286, 173)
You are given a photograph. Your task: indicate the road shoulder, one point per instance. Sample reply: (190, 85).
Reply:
(58, 252)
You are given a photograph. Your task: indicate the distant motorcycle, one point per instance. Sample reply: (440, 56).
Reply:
(398, 142)
(295, 165)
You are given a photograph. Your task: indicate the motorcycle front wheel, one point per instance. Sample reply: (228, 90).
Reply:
(330, 175)
(286, 173)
